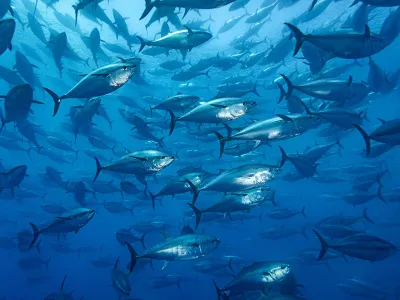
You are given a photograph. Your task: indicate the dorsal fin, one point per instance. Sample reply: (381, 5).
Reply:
(190, 31)
(382, 120)
(285, 118)
(166, 235)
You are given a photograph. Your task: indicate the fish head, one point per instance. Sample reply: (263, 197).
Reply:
(162, 162)
(377, 43)
(120, 73)
(89, 213)
(276, 273)
(95, 34)
(200, 37)
(248, 105)
(7, 25)
(80, 186)
(19, 172)
(23, 91)
(121, 282)
(94, 103)
(210, 244)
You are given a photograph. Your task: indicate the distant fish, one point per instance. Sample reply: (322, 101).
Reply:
(346, 45)
(99, 82)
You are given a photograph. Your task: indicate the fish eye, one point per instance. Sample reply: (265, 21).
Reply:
(124, 68)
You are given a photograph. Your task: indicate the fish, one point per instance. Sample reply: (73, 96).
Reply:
(386, 133)
(120, 280)
(141, 163)
(281, 127)
(285, 213)
(13, 178)
(255, 277)
(69, 221)
(178, 103)
(182, 40)
(194, 246)
(236, 202)
(347, 45)
(205, 4)
(239, 179)
(98, 83)
(17, 104)
(214, 111)
(364, 247)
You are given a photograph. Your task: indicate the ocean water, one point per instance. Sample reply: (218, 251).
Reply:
(192, 144)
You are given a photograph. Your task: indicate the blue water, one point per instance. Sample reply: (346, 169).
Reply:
(237, 238)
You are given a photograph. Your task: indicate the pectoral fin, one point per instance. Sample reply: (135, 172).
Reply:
(166, 262)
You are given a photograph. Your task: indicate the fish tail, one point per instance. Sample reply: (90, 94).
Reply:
(153, 198)
(142, 240)
(47, 263)
(198, 213)
(306, 108)
(219, 291)
(207, 73)
(34, 11)
(38, 246)
(254, 90)
(324, 245)
(379, 195)
(36, 234)
(298, 35)
(195, 191)
(56, 99)
(303, 212)
(284, 157)
(222, 142)
(366, 217)
(134, 257)
(147, 10)
(339, 144)
(283, 93)
(98, 168)
(289, 84)
(173, 122)
(365, 137)
(75, 7)
(143, 43)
